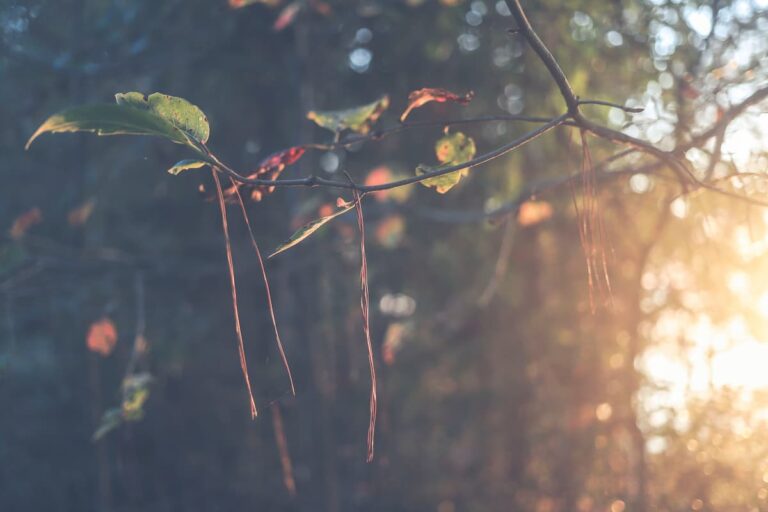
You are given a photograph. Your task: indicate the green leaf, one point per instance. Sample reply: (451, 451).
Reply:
(358, 119)
(452, 149)
(183, 165)
(307, 229)
(179, 112)
(109, 120)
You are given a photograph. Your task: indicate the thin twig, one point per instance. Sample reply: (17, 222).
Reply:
(631, 110)
(233, 285)
(312, 181)
(364, 306)
(266, 287)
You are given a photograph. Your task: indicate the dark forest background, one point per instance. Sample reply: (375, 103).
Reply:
(499, 388)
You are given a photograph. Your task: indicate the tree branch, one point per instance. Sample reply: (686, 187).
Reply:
(312, 181)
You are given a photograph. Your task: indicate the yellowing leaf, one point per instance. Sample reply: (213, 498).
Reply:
(308, 229)
(421, 97)
(358, 119)
(102, 337)
(183, 165)
(452, 149)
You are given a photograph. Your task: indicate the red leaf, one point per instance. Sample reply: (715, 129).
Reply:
(423, 96)
(379, 176)
(269, 169)
(102, 337)
(278, 161)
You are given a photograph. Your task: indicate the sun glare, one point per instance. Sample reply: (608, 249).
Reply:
(693, 356)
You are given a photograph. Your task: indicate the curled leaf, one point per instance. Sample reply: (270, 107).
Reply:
(308, 229)
(452, 149)
(421, 97)
(358, 119)
(183, 165)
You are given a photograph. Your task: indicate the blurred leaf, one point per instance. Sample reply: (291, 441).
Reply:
(23, 222)
(320, 7)
(183, 115)
(381, 175)
(110, 420)
(308, 229)
(80, 215)
(393, 341)
(135, 395)
(357, 119)
(287, 16)
(183, 165)
(533, 212)
(452, 149)
(102, 337)
(236, 4)
(390, 231)
(421, 97)
(109, 120)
